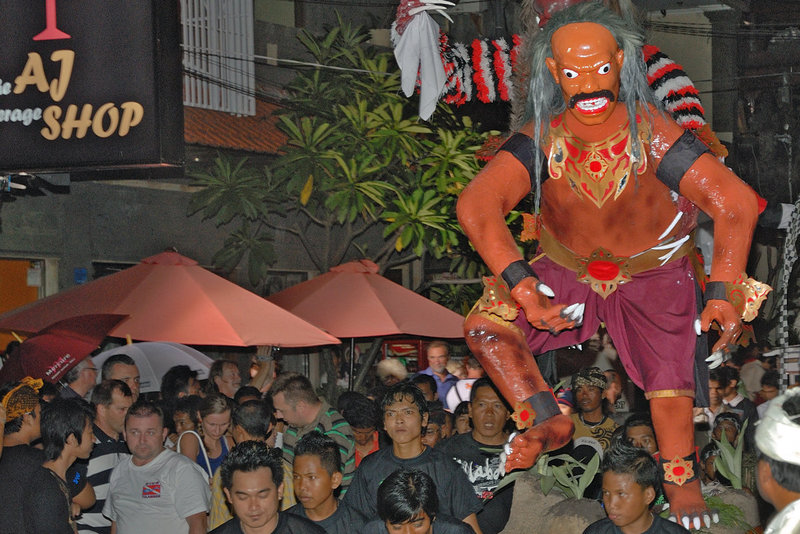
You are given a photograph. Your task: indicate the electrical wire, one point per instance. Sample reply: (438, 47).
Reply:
(217, 60)
(776, 32)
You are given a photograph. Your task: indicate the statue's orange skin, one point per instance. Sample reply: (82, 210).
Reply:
(627, 225)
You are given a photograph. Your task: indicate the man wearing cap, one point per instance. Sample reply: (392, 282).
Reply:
(23, 413)
(22, 427)
(391, 371)
(588, 386)
(778, 446)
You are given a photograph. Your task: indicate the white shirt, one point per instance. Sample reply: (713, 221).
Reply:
(762, 409)
(157, 497)
(460, 391)
(787, 521)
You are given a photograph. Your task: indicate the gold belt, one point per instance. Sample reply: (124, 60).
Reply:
(601, 269)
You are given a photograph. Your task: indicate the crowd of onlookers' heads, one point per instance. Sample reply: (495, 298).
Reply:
(418, 453)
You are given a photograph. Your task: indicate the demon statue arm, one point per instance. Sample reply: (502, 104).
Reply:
(481, 211)
(733, 206)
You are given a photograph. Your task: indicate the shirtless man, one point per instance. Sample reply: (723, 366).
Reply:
(614, 241)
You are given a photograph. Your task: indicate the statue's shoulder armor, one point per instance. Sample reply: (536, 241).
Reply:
(524, 149)
(678, 158)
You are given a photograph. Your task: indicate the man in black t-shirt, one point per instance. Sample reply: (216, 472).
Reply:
(631, 483)
(317, 474)
(252, 479)
(407, 502)
(66, 436)
(478, 454)
(405, 415)
(19, 460)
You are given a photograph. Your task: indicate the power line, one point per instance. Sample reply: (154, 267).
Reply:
(218, 60)
(774, 33)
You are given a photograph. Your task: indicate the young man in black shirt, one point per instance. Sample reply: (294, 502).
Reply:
(66, 435)
(478, 453)
(252, 479)
(630, 485)
(405, 415)
(317, 475)
(408, 504)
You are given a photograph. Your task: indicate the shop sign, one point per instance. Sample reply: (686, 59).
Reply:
(89, 84)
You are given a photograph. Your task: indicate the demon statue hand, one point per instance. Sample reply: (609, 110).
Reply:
(616, 182)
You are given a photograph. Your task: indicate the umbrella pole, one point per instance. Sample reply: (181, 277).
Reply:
(352, 363)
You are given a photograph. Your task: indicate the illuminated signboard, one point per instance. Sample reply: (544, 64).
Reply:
(89, 84)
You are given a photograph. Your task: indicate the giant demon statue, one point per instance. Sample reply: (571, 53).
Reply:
(615, 181)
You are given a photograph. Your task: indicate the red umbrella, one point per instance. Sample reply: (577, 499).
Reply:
(169, 297)
(353, 300)
(51, 353)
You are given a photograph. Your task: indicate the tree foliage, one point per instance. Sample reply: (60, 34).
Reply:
(358, 163)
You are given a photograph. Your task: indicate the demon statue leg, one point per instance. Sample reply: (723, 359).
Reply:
(508, 361)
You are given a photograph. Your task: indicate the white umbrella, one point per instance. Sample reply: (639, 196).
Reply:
(154, 358)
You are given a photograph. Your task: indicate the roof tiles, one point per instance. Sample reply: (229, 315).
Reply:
(219, 129)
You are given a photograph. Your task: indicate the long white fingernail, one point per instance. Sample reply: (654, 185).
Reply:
(567, 312)
(686, 523)
(507, 447)
(696, 522)
(697, 328)
(715, 517)
(673, 519)
(715, 360)
(707, 520)
(545, 290)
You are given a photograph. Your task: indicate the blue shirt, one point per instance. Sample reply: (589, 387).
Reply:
(442, 387)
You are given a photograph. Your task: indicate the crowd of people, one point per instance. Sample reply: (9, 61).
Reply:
(423, 453)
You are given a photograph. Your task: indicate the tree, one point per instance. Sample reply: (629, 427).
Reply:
(358, 164)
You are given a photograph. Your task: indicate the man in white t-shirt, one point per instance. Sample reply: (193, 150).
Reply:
(460, 392)
(156, 489)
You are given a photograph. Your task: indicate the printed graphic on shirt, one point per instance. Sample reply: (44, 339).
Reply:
(484, 477)
(151, 490)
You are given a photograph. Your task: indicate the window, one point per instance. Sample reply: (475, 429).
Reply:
(218, 48)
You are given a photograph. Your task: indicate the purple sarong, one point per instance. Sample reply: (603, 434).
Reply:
(650, 320)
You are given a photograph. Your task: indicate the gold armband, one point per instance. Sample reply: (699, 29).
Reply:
(746, 295)
(497, 299)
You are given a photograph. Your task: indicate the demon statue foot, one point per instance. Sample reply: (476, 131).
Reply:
(687, 507)
(524, 449)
